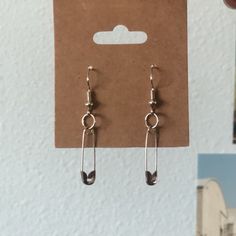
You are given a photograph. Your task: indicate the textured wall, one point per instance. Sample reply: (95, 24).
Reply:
(41, 191)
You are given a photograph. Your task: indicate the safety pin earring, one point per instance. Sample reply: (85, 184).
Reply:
(89, 129)
(152, 128)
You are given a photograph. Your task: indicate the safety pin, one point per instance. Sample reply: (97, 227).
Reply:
(151, 179)
(90, 178)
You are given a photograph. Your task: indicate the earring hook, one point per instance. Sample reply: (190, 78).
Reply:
(153, 100)
(89, 102)
(90, 68)
(152, 68)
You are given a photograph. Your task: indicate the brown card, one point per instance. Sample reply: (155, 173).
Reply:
(121, 80)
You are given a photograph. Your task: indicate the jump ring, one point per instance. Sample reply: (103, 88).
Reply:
(148, 124)
(87, 116)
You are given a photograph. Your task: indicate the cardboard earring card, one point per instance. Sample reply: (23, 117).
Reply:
(120, 82)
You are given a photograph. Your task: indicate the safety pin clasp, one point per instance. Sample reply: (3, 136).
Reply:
(151, 179)
(88, 179)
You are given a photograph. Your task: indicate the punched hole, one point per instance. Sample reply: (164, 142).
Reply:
(120, 35)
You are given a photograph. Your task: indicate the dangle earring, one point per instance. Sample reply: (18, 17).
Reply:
(89, 129)
(152, 129)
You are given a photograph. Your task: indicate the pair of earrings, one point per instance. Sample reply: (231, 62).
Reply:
(151, 122)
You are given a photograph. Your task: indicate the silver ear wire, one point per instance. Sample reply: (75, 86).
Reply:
(90, 68)
(89, 129)
(152, 128)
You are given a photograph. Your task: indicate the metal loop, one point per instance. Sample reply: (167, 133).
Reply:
(151, 179)
(147, 122)
(86, 117)
(88, 179)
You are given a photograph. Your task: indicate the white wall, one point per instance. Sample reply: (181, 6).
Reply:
(40, 187)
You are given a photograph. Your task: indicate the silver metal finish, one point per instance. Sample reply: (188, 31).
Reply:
(85, 124)
(152, 67)
(152, 128)
(151, 179)
(148, 123)
(90, 178)
(89, 129)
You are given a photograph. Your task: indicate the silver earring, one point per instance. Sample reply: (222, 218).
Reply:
(152, 129)
(89, 129)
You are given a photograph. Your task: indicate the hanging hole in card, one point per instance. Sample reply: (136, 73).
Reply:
(120, 35)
